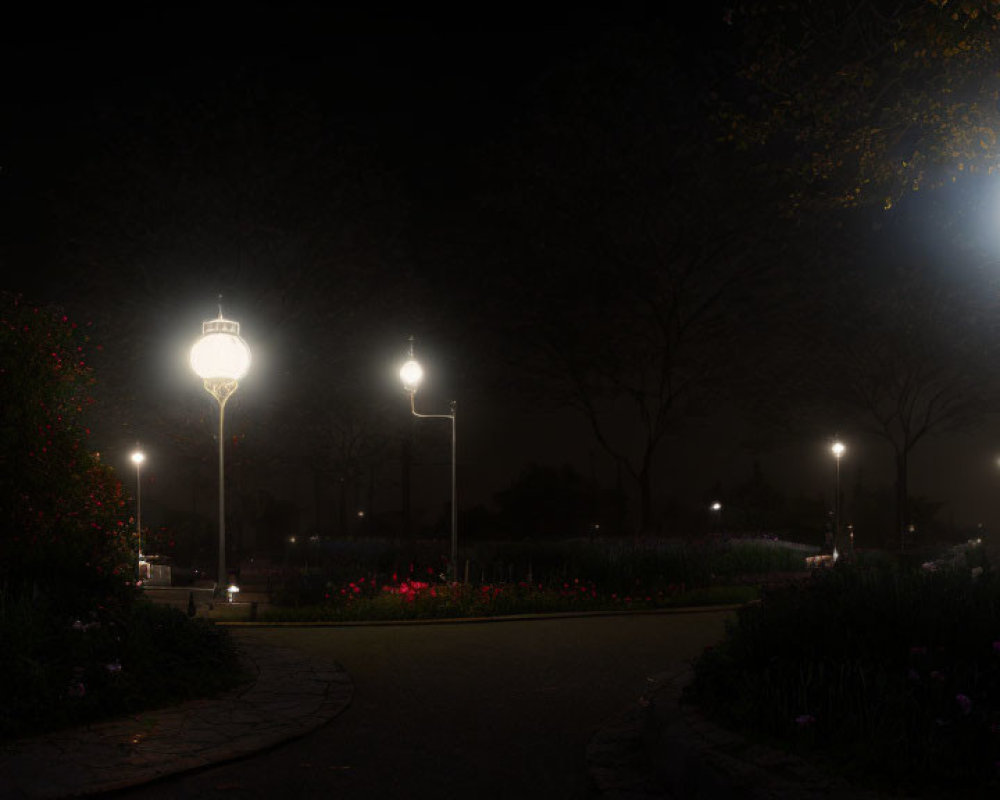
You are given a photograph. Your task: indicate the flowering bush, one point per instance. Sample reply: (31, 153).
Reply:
(65, 527)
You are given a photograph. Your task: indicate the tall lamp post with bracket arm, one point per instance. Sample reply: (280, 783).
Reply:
(412, 374)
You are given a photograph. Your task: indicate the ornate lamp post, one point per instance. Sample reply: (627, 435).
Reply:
(137, 458)
(220, 358)
(411, 374)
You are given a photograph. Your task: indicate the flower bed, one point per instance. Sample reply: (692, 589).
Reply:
(530, 577)
(410, 598)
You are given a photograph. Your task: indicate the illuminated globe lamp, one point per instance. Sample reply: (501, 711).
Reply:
(221, 358)
(411, 374)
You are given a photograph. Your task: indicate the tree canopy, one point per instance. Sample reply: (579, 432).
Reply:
(863, 101)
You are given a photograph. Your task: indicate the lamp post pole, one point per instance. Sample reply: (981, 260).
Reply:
(222, 395)
(412, 374)
(220, 358)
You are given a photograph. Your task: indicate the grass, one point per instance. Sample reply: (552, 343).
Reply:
(60, 671)
(891, 674)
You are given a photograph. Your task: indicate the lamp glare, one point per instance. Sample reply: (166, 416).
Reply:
(411, 374)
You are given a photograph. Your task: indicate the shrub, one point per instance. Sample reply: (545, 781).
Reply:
(70, 671)
(893, 674)
(64, 528)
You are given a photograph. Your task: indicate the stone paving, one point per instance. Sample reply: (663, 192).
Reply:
(291, 695)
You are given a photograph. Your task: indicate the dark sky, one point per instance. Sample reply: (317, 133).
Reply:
(424, 97)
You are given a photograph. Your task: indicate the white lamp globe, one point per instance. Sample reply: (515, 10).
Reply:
(220, 353)
(411, 374)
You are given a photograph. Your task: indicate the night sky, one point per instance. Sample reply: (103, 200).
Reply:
(331, 175)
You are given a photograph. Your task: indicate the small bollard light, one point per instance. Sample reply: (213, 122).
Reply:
(233, 589)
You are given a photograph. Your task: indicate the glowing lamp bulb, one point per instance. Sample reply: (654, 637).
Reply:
(411, 374)
(138, 457)
(838, 449)
(220, 353)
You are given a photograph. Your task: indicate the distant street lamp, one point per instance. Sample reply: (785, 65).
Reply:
(411, 374)
(220, 358)
(837, 449)
(716, 508)
(137, 458)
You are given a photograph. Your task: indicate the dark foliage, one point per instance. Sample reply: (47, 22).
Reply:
(117, 660)
(891, 673)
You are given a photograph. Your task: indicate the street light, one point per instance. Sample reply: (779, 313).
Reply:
(837, 449)
(411, 374)
(220, 358)
(137, 458)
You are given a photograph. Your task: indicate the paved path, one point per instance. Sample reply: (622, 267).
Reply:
(481, 710)
(292, 694)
